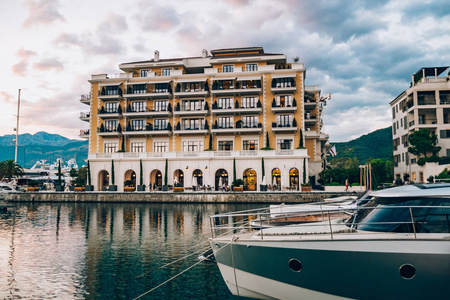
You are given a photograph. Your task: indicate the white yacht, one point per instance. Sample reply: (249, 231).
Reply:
(6, 188)
(396, 246)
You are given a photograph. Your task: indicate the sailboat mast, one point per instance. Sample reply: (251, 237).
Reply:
(17, 128)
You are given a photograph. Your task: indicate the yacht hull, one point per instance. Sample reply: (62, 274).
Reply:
(339, 269)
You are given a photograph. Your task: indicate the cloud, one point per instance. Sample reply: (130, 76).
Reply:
(48, 64)
(42, 12)
(21, 68)
(6, 98)
(158, 18)
(114, 23)
(101, 45)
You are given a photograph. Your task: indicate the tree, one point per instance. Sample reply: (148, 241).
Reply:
(113, 176)
(141, 177)
(300, 143)
(422, 142)
(9, 169)
(88, 173)
(73, 172)
(82, 176)
(59, 172)
(166, 170)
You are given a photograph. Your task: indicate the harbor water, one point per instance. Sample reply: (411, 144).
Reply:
(108, 251)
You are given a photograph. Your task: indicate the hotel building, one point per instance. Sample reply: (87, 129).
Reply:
(195, 121)
(425, 105)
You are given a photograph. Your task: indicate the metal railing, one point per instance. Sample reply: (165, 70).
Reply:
(329, 223)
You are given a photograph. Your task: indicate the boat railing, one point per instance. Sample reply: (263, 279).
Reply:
(331, 222)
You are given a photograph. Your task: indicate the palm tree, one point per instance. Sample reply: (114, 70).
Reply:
(9, 168)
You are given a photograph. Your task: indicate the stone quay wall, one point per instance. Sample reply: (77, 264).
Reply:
(170, 197)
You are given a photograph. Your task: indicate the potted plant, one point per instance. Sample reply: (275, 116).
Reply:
(164, 187)
(113, 186)
(238, 185)
(141, 186)
(306, 187)
(89, 187)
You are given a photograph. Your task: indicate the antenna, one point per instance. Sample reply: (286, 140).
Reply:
(17, 128)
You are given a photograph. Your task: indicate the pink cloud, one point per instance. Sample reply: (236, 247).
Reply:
(6, 98)
(48, 64)
(20, 68)
(42, 12)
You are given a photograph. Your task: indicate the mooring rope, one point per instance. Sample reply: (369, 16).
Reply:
(185, 270)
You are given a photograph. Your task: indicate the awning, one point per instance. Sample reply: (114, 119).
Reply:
(132, 83)
(156, 82)
(111, 84)
(248, 78)
(192, 80)
(284, 75)
(224, 78)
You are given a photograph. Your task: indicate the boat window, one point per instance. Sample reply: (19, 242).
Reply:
(391, 219)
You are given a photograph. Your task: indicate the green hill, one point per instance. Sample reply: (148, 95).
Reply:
(43, 145)
(377, 144)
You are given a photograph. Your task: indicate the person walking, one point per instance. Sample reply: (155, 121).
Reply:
(346, 185)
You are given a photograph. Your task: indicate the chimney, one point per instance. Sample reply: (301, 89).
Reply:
(204, 53)
(156, 57)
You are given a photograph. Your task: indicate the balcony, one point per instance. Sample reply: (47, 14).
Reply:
(283, 85)
(284, 108)
(149, 112)
(236, 110)
(108, 95)
(149, 130)
(150, 92)
(191, 130)
(188, 88)
(242, 128)
(86, 99)
(187, 111)
(84, 133)
(84, 116)
(310, 119)
(277, 128)
(103, 132)
(110, 114)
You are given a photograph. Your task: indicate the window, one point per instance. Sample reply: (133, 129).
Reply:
(444, 97)
(193, 105)
(284, 82)
(250, 121)
(161, 87)
(250, 145)
(139, 89)
(111, 147)
(165, 72)
(251, 67)
(111, 107)
(227, 68)
(225, 145)
(144, 73)
(393, 112)
(426, 98)
(225, 122)
(160, 105)
(405, 124)
(112, 90)
(284, 120)
(248, 102)
(284, 101)
(160, 124)
(192, 146)
(137, 125)
(444, 134)
(138, 147)
(160, 146)
(192, 124)
(225, 103)
(111, 125)
(283, 144)
(138, 106)
(448, 152)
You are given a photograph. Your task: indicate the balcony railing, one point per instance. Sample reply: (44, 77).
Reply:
(427, 121)
(426, 102)
(85, 98)
(84, 133)
(84, 116)
(149, 127)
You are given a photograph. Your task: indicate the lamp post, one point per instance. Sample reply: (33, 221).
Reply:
(17, 128)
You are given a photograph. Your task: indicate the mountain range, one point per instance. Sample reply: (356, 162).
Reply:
(43, 145)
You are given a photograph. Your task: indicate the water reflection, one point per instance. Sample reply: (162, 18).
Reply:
(97, 251)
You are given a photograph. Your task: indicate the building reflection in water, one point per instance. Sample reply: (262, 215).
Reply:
(87, 250)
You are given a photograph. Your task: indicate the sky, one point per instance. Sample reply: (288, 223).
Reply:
(362, 52)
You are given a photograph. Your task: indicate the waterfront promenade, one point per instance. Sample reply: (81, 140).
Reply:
(170, 197)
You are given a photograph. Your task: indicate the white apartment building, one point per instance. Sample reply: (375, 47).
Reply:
(425, 105)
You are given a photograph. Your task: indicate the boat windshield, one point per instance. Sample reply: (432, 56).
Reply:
(389, 215)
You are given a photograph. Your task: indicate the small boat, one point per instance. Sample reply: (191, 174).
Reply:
(396, 246)
(5, 189)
